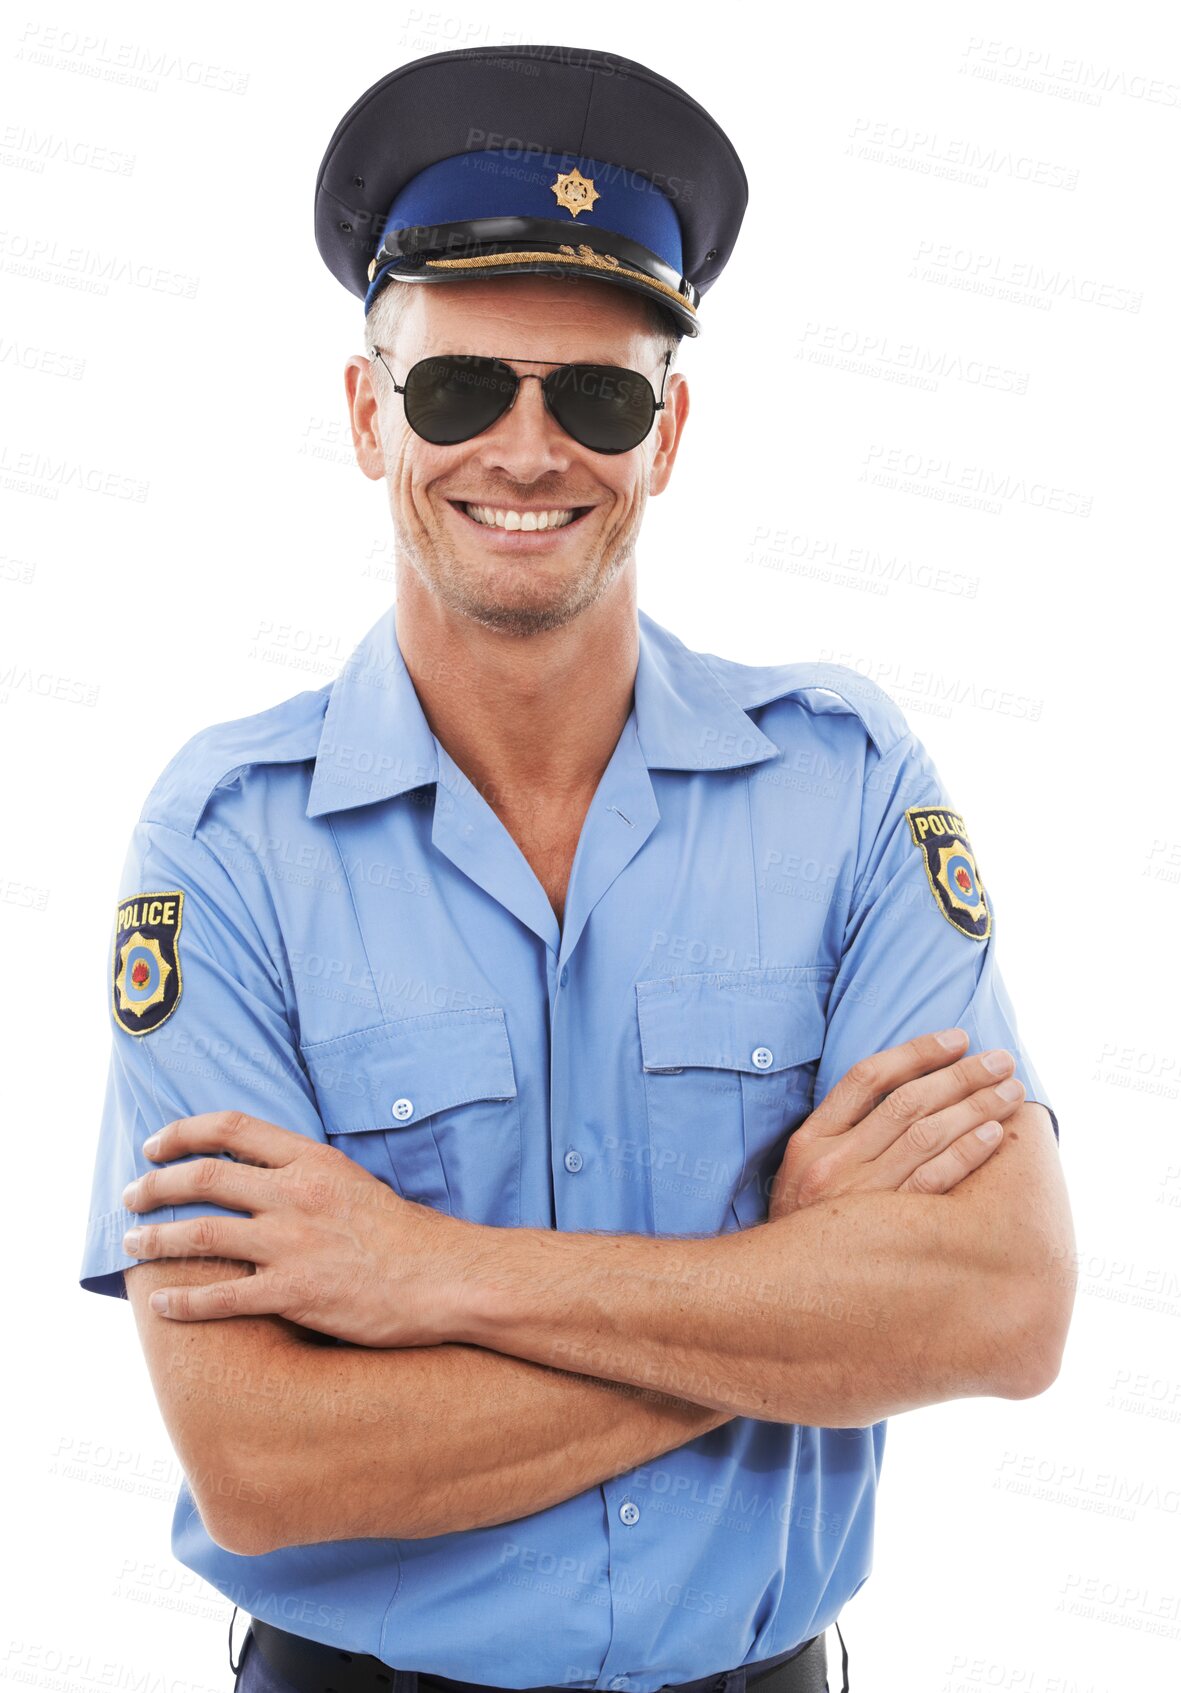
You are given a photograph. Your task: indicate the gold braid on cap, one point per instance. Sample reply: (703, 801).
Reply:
(564, 256)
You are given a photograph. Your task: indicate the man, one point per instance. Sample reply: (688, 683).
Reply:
(542, 1144)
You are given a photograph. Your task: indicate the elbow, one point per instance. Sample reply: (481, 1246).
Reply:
(245, 1536)
(239, 1508)
(1038, 1371)
(1046, 1301)
(250, 1508)
(242, 1538)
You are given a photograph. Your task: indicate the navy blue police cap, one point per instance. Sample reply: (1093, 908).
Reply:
(498, 161)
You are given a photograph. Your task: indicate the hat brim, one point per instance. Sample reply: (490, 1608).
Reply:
(587, 264)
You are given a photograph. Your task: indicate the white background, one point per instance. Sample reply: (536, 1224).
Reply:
(949, 278)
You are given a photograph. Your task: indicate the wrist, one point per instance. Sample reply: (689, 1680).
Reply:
(470, 1291)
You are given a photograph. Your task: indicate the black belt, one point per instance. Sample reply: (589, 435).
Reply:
(312, 1667)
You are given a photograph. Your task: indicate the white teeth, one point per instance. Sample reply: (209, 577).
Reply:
(494, 518)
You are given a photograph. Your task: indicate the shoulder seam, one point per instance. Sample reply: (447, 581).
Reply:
(216, 858)
(880, 714)
(180, 803)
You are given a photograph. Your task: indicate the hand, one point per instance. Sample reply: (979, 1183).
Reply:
(334, 1249)
(890, 1123)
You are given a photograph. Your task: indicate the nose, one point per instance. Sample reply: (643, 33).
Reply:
(526, 442)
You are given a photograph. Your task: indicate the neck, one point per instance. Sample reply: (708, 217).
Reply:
(529, 719)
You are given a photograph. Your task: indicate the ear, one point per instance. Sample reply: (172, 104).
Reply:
(669, 426)
(364, 415)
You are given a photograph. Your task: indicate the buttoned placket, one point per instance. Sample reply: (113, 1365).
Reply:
(621, 816)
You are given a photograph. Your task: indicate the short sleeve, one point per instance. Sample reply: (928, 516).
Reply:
(920, 943)
(198, 1023)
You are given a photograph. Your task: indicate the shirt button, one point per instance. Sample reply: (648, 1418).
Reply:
(565, 976)
(619, 1682)
(762, 1057)
(573, 1161)
(401, 1109)
(629, 1512)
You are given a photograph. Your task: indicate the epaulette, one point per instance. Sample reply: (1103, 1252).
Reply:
(822, 687)
(282, 734)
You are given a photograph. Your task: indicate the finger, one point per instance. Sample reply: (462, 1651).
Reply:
(248, 1296)
(941, 1174)
(921, 1144)
(217, 1180)
(250, 1139)
(863, 1085)
(927, 1114)
(926, 1137)
(198, 1237)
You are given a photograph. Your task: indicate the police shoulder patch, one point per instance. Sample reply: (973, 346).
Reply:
(950, 864)
(145, 968)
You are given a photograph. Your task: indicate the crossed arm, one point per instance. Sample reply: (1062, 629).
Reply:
(288, 1443)
(511, 1369)
(837, 1315)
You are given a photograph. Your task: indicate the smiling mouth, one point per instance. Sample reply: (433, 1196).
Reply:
(514, 520)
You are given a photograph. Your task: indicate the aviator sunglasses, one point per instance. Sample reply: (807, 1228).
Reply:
(453, 397)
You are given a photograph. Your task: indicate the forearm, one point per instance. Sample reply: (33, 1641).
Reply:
(352, 1443)
(840, 1314)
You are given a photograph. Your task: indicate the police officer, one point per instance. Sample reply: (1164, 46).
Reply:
(471, 1012)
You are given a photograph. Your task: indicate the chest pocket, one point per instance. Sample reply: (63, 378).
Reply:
(729, 1067)
(428, 1105)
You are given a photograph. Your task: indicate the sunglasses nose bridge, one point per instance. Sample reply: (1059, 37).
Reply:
(521, 380)
(544, 436)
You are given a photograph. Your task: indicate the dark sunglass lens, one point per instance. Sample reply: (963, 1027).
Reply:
(606, 408)
(451, 398)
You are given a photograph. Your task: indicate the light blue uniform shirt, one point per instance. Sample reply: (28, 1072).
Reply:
(762, 894)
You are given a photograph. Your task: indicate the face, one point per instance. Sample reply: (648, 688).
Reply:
(443, 499)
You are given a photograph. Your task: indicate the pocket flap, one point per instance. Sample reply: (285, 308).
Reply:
(398, 1073)
(759, 1021)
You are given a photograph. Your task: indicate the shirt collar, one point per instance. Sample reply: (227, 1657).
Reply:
(376, 742)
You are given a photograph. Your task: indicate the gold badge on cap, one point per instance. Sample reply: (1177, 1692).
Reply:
(575, 192)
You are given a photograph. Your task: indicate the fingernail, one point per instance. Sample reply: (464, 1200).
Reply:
(131, 1242)
(151, 1145)
(951, 1037)
(1012, 1089)
(159, 1302)
(997, 1061)
(986, 1131)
